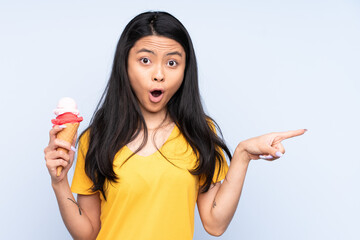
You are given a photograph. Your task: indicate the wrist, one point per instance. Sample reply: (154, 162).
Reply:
(59, 184)
(241, 153)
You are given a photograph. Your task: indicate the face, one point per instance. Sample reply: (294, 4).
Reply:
(156, 67)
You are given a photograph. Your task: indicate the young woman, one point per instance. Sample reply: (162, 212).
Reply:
(150, 152)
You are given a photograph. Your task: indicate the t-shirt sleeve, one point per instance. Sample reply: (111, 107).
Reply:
(224, 166)
(81, 183)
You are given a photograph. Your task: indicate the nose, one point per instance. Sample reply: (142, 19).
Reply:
(158, 74)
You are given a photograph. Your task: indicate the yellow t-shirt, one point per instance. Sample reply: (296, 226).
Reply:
(153, 200)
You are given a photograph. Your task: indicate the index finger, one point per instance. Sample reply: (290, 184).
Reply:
(55, 130)
(290, 134)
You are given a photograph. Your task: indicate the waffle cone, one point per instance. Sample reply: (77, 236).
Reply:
(67, 134)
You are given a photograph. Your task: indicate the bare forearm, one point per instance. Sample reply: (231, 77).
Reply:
(227, 198)
(76, 221)
(267, 147)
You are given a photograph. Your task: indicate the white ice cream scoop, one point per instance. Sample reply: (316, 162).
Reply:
(66, 104)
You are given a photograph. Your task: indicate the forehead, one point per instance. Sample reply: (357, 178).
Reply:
(158, 44)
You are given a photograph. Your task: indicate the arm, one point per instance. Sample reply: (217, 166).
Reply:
(218, 205)
(82, 219)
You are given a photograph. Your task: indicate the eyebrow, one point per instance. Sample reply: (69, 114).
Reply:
(168, 54)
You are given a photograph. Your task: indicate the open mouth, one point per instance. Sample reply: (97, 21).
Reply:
(156, 93)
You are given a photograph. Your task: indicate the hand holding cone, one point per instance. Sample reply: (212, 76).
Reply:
(66, 114)
(67, 134)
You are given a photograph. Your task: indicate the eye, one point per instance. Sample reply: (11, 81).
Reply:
(145, 60)
(172, 63)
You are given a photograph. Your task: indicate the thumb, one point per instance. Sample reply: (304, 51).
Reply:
(273, 152)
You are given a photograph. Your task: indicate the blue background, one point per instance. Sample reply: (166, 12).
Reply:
(264, 66)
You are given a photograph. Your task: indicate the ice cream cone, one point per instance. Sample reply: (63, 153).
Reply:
(66, 114)
(67, 134)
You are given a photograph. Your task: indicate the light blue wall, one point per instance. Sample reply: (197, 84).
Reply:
(264, 66)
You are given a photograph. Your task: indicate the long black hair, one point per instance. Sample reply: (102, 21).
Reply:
(118, 118)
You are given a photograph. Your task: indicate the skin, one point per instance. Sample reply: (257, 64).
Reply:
(155, 62)
(218, 205)
(81, 226)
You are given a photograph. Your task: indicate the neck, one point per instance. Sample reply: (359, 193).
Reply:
(156, 120)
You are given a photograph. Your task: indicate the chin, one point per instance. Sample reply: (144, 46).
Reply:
(156, 109)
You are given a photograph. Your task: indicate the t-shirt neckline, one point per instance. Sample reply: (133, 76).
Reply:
(157, 151)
